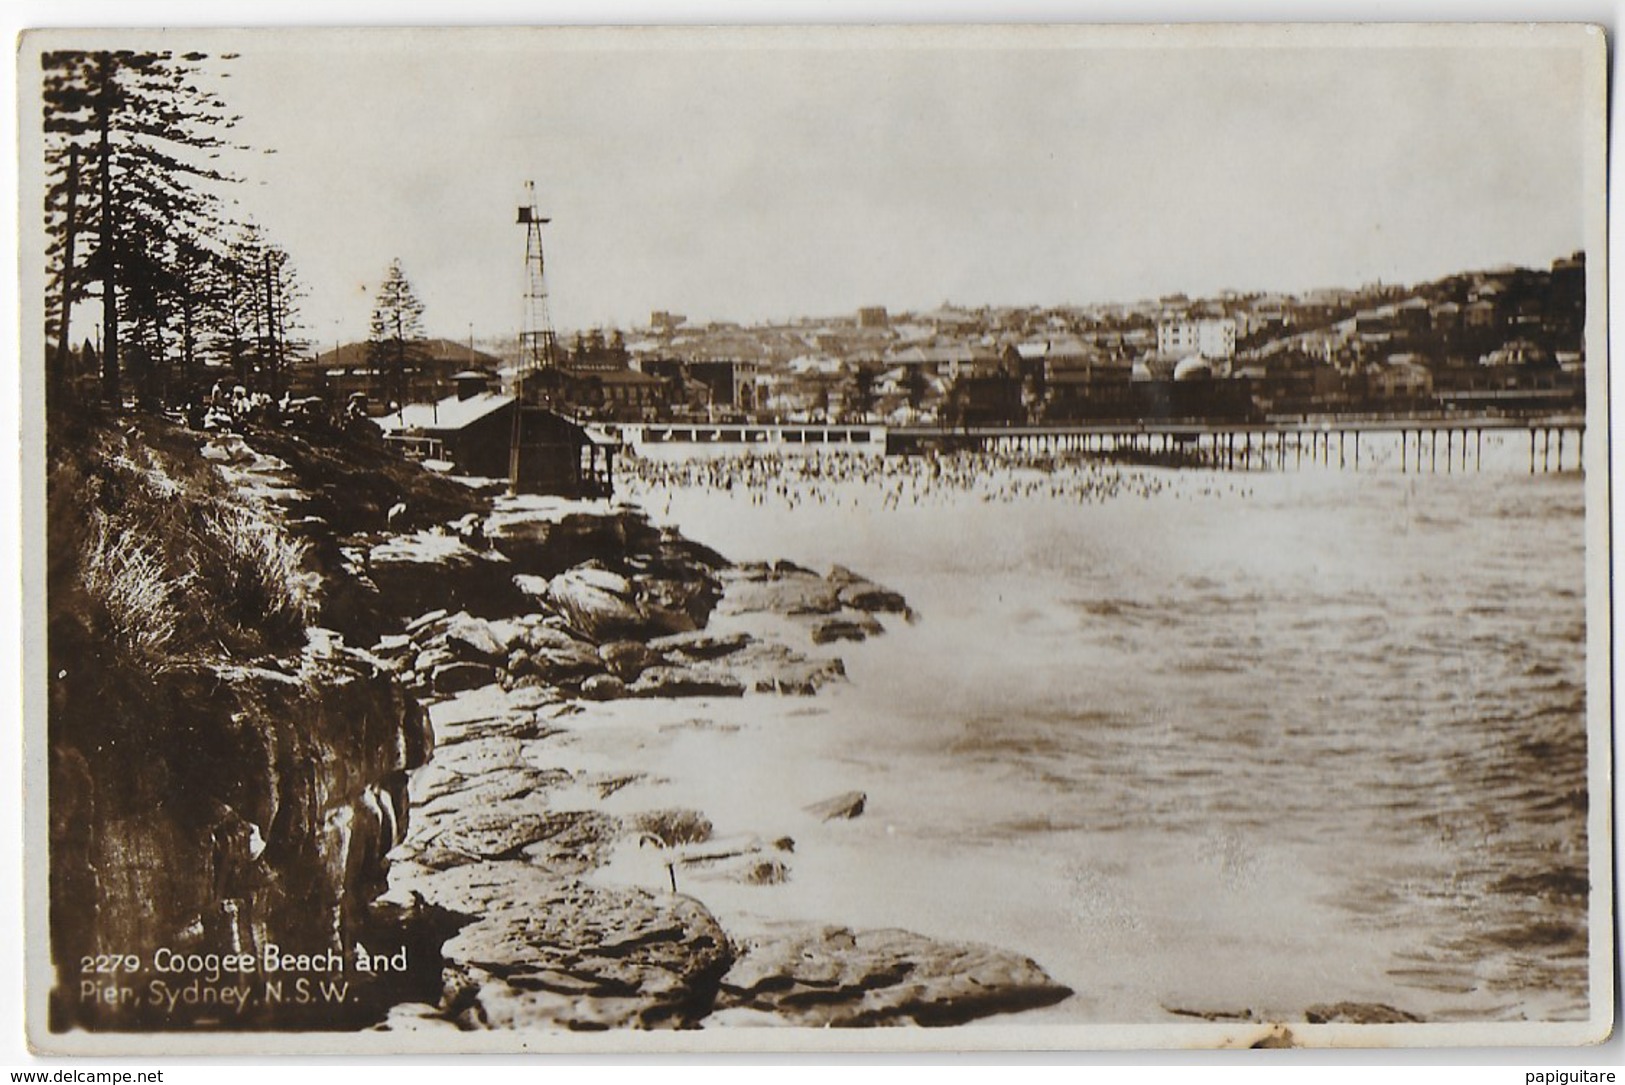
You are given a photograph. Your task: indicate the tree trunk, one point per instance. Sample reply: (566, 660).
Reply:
(400, 361)
(110, 354)
(187, 375)
(59, 366)
(259, 324)
(273, 359)
(155, 373)
(239, 360)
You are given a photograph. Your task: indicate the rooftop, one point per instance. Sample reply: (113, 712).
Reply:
(450, 413)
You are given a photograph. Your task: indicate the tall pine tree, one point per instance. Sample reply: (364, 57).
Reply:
(395, 338)
(131, 138)
(252, 323)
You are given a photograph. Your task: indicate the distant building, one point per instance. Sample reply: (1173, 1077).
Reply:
(1379, 321)
(430, 368)
(723, 380)
(629, 394)
(1211, 338)
(873, 316)
(1400, 379)
(982, 400)
(1482, 315)
(592, 353)
(1412, 316)
(952, 318)
(1519, 352)
(1446, 318)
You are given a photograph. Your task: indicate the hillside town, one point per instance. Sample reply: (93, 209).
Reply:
(1503, 339)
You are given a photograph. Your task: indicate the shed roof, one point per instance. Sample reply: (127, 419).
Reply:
(447, 415)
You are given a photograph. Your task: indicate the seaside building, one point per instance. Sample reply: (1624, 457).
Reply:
(1214, 339)
(725, 381)
(1403, 377)
(472, 428)
(432, 366)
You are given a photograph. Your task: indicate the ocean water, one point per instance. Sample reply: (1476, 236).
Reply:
(1198, 742)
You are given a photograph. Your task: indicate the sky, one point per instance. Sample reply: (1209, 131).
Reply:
(750, 177)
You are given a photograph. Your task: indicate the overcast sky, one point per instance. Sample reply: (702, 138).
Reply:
(746, 178)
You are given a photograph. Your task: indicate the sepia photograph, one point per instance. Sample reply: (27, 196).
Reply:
(717, 539)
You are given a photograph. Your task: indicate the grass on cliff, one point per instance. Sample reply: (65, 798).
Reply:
(154, 555)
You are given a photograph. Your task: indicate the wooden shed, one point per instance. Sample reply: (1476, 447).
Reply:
(474, 430)
(551, 454)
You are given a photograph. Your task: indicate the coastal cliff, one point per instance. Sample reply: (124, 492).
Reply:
(303, 704)
(225, 774)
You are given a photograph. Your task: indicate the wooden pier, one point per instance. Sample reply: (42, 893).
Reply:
(1445, 443)
(1556, 442)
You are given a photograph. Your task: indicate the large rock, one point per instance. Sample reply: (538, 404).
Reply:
(831, 976)
(701, 645)
(549, 545)
(561, 843)
(603, 687)
(675, 606)
(485, 834)
(774, 668)
(831, 630)
(427, 660)
(452, 793)
(472, 638)
(432, 570)
(566, 664)
(594, 575)
(542, 636)
(456, 677)
(626, 659)
(782, 588)
(861, 593)
(425, 621)
(842, 807)
(775, 590)
(685, 682)
(598, 612)
(545, 953)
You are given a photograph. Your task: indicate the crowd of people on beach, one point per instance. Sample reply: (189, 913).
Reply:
(901, 481)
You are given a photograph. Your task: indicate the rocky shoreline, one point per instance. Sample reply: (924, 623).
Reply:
(346, 746)
(517, 623)
(507, 842)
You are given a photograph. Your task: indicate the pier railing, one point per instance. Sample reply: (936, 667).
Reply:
(1425, 442)
(1434, 441)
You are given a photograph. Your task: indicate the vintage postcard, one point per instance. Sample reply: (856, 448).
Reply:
(753, 539)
